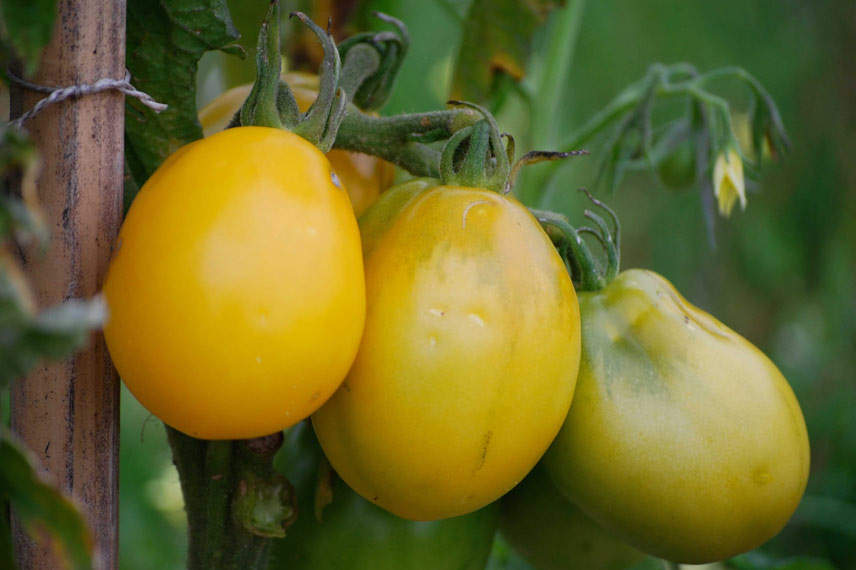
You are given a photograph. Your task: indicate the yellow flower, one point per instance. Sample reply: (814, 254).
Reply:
(728, 184)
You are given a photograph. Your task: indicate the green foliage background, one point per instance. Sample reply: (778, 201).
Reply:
(782, 273)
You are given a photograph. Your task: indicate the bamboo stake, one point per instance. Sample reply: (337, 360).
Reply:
(68, 412)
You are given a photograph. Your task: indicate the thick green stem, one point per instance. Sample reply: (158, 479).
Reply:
(549, 96)
(560, 55)
(671, 565)
(219, 479)
(403, 139)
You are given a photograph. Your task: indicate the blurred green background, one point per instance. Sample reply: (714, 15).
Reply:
(782, 273)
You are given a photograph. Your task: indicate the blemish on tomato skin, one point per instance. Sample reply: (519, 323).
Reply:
(762, 477)
(486, 443)
(315, 396)
(475, 318)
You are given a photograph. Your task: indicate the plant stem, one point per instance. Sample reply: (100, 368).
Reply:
(671, 565)
(214, 477)
(555, 74)
(560, 55)
(397, 139)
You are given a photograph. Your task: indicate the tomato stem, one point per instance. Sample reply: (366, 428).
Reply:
(403, 140)
(222, 483)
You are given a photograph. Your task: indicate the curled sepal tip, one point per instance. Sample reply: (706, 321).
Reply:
(536, 156)
(586, 272)
(323, 116)
(261, 107)
(378, 75)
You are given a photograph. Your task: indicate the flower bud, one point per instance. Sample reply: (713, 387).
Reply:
(728, 184)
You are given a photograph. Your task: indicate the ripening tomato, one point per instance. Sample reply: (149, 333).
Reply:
(363, 175)
(336, 528)
(236, 293)
(684, 439)
(554, 534)
(469, 357)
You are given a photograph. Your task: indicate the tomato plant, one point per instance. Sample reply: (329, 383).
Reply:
(351, 532)
(242, 292)
(469, 356)
(236, 260)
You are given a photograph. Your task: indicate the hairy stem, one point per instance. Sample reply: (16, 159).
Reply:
(403, 139)
(214, 476)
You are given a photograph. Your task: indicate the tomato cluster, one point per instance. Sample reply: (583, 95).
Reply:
(437, 345)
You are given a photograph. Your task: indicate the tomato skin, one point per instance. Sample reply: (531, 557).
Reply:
(355, 534)
(684, 439)
(554, 534)
(468, 361)
(237, 259)
(363, 175)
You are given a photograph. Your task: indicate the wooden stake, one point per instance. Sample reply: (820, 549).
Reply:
(67, 413)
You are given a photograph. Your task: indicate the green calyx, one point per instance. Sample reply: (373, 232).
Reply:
(271, 102)
(586, 271)
(475, 156)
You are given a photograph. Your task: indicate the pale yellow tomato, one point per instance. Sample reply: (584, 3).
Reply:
(469, 357)
(683, 439)
(236, 294)
(363, 175)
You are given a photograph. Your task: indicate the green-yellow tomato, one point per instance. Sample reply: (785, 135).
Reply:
(469, 358)
(236, 290)
(683, 439)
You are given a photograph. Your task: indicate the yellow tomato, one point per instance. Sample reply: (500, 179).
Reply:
(363, 175)
(684, 439)
(236, 290)
(469, 357)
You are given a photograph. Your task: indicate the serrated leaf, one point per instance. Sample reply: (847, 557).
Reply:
(41, 507)
(497, 39)
(166, 40)
(27, 26)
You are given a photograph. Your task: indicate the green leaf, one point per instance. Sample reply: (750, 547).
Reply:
(166, 40)
(41, 507)
(497, 39)
(27, 25)
(6, 558)
(20, 215)
(27, 337)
